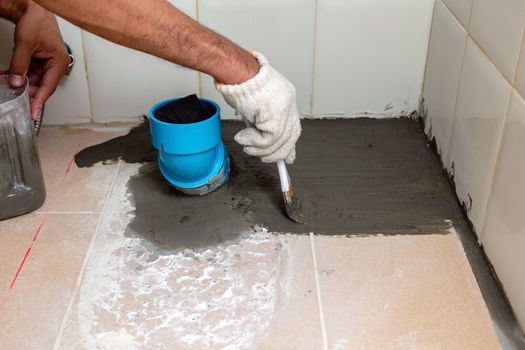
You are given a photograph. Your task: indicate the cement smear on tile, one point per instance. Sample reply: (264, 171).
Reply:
(135, 147)
(359, 176)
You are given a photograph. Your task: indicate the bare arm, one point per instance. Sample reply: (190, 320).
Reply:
(12, 10)
(160, 29)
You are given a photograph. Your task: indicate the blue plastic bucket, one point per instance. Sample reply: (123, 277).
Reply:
(192, 156)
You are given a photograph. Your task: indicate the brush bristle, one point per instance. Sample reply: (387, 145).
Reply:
(293, 207)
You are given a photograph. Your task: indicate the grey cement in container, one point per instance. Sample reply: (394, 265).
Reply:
(22, 187)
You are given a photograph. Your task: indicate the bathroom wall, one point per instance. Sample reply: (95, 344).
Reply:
(346, 58)
(473, 94)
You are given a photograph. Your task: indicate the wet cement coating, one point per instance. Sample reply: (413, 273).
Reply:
(135, 147)
(355, 177)
(359, 176)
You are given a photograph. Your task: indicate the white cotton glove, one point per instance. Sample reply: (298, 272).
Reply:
(267, 104)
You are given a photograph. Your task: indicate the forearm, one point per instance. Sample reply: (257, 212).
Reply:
(12, 10)
(158, 28)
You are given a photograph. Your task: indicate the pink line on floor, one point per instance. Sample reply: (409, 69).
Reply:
(27, 254)
(6, 293)
(70, 163)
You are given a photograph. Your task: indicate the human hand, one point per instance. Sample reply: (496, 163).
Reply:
(39, 53)
(267, 103)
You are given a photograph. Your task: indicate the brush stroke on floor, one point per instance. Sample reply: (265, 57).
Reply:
(360, 176)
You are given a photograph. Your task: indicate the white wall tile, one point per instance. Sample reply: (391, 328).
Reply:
(460, 9)
(481, 104)
(504, 232)
(370, 55)
(125, 83)
(70, 102)
(520, 76)
(498, 27)
(445, 58)
(282, 30)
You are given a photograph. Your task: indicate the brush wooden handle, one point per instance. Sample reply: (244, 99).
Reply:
(281, 166)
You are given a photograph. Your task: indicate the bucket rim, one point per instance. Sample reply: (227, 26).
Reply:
(5, 106)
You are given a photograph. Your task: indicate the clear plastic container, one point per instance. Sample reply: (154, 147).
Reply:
(22, 186)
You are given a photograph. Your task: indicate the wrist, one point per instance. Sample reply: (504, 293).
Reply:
(248, 69)
(13, 10)
(251, 86)
(244, 68)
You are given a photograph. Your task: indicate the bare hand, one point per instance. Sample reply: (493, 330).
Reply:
(39, 53)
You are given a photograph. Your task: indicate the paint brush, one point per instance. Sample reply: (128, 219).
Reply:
(292, 205)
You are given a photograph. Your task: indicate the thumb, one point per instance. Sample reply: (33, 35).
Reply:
(19, 65)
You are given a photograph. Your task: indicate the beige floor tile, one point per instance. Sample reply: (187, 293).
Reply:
(208, 299)
(32, 314)
(402, 292)
(15, 237)
(296, 322)
(82, 189)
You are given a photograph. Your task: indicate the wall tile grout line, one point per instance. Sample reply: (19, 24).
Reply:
(86, 257)
(496, 162)
(516, 66)
(423, 81)
(199, 74)
(446, 161)
(318, 289)
(471, 10)
(316, 25)
(84, 54)
(428, 51)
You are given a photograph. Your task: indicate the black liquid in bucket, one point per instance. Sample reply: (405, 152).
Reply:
(185, 110)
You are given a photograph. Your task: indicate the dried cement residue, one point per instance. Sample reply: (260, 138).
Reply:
(132, 297)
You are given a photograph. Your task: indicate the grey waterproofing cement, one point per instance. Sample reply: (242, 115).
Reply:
(354, 177)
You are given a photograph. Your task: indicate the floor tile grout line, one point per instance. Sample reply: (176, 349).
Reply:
(318, 289)
(86, 258)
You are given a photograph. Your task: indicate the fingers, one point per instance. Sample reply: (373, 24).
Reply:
(283, 149)
(32, 90)
(272, 146)
(291, 157)
(287, 150)
(48, 85)
(20, 61)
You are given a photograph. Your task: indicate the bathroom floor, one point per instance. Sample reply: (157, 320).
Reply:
(95, 268)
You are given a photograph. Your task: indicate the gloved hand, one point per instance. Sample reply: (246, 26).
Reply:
(267, 104)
